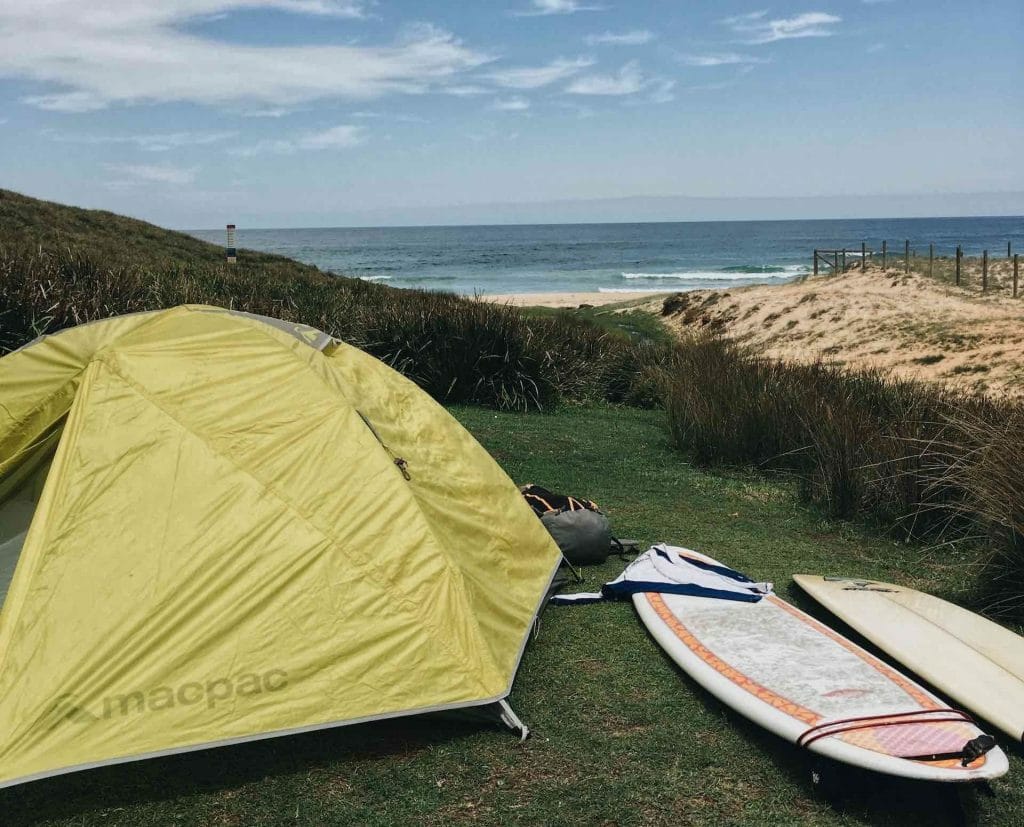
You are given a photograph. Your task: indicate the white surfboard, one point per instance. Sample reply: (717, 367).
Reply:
(974, 661)
(795, 677)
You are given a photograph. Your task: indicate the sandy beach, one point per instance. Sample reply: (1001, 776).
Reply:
(570, 299)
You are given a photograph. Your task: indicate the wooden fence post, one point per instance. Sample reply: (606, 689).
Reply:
(863, 256)
(959, 255)
(815, 262)
(844, 259)
(931, 260)
(984, 271)
(835, 262)
(1015, 256)
(885, 245)
(906, 256)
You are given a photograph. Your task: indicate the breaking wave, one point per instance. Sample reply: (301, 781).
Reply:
(632, 290)
(738, 273)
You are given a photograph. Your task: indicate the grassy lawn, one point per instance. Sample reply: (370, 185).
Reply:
(620, 735)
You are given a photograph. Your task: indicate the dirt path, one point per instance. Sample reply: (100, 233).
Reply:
(569, 300)
(911, 324)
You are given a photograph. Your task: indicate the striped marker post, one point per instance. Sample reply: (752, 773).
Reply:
(231, 254)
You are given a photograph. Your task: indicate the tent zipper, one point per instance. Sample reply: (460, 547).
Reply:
(400, 463)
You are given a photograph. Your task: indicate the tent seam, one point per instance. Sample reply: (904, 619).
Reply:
(76, 375)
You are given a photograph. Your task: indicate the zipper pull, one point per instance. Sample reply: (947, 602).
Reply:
(400, 463)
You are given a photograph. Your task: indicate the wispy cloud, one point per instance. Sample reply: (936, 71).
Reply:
(545, 7)
(338, 8)
(720, 59)
(399, 117)
(875, 47)
(266, 112)
(127, 53)
(533, 77)
(156, 173)
(149, 143)
(465, 90)
(636, 37)
(344, 136)
(757, 28)
(629, 80)
(513, 104)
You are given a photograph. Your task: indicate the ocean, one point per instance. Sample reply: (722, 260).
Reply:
(654, 257)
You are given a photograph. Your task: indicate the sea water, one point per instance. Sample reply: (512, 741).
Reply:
(653, 257)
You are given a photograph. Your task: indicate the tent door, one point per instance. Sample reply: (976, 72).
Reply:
(18, 503)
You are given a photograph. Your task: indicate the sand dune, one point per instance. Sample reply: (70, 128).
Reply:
(911, 324)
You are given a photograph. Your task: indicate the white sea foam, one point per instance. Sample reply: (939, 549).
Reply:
(375, 278)
(632, 290)
(718, 275)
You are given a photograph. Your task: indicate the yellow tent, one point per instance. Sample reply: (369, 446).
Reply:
(217, 527)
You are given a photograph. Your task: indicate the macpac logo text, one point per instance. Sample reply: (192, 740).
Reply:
(208, 693)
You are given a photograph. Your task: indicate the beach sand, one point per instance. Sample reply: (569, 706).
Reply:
(908, 324)
(570, 299)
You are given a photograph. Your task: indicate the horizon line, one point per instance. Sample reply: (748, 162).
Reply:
(980, 217)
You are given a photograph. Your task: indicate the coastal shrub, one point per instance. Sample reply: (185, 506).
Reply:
(982, 455)
(720, 402)
(861, 443)
(459, 350)
(927, 462)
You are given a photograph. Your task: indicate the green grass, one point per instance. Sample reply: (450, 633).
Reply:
(620, 735)
(638, 325)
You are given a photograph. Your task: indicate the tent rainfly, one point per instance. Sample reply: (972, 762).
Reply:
(217, 527)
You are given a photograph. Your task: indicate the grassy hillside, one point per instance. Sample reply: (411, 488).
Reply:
(117, 240)
(62, 266)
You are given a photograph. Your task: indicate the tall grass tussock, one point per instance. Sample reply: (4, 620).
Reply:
(983, 458)
(927, 462)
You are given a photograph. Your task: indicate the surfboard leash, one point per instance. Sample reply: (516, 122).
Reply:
(972, 750)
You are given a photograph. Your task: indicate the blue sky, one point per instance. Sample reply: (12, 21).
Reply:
(192, 113)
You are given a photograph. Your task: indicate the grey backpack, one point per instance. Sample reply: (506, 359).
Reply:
(584, 536)
(578, 526)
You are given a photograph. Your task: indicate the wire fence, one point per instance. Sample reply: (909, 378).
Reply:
(947, 268)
